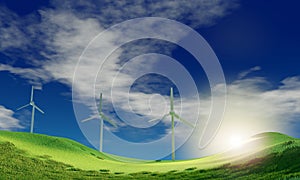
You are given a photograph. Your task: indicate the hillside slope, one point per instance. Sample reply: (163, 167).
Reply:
(63, 150)
(31, 155)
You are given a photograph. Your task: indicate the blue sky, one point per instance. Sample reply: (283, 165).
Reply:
(256, 42)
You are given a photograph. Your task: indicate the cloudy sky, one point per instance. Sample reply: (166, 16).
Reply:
(249, 62)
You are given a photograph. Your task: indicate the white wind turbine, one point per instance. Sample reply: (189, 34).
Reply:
(173, 116)
(102, 118)
(34, 106)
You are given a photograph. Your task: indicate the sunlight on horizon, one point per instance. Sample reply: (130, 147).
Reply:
(236, 141)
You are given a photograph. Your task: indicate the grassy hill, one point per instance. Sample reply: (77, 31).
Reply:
(34, 156)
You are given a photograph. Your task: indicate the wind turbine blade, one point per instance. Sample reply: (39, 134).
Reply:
(90, 118)
(166, 115)
(171, 99)
(31, 97)
(23, 106)
(38, 109)
(184, 121)
(159, 118)
(108, 120)
(100, 103)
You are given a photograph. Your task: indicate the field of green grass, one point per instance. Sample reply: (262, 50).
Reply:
(34, 156)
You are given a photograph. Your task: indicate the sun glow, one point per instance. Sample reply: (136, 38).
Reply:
(236, 141)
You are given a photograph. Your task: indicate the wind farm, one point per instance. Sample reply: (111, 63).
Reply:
(34, 106)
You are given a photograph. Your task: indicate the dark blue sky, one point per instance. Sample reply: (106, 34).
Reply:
(251, 34)
(260, 33)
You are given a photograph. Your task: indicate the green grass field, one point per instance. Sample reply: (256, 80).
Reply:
(34, 156)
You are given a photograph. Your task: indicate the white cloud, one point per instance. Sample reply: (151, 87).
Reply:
(285, 100)
(247, 72)
(7, 121)
(194, 13)
(10, 33)
(35, 76)
(59, 35)
(29, 33)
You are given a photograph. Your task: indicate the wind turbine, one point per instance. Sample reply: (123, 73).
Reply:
(102, 118)
(173, 116)
(34, 106)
